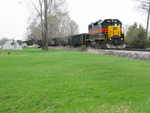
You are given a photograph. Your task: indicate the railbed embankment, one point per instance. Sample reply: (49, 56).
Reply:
(139, 55)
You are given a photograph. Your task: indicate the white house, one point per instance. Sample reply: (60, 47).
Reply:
(11, 45)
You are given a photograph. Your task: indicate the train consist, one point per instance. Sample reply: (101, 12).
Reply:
(105, 33)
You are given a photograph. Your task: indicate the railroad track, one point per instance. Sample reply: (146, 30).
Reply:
(129, 49)
(125, 49)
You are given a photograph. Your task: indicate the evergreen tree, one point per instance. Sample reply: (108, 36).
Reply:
(136, 36)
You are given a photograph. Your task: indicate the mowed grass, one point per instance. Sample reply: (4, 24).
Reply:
(59, 81)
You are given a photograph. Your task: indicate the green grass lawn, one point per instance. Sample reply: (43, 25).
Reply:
(59, 81)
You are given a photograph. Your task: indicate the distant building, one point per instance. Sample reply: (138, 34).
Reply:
(11, 45)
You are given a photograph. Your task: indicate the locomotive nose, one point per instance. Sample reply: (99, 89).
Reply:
(114, 31)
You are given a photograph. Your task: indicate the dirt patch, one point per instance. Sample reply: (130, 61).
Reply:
(1, 53)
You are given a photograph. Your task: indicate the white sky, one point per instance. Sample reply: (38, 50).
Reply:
(14, 16)
(86, 11)
(13, 19)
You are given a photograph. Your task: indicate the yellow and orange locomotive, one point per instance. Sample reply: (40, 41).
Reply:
(106, 33)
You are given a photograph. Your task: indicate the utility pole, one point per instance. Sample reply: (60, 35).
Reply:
(148, 22)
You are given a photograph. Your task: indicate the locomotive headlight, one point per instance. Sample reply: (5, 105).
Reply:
(121, 38)
(110, 39)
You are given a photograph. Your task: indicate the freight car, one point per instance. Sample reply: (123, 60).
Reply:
(32, 42)
(106, 33)
(77, 40)
(59, 41)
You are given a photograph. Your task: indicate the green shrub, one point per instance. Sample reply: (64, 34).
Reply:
(83, 47)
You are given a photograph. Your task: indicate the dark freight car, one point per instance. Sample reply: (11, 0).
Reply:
(78, 40)
(40, 43)
(58, 42)
(54, 42)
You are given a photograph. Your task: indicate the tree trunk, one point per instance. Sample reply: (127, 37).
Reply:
(148, 23)
(45, 26)
(42, 32)
(42, 27)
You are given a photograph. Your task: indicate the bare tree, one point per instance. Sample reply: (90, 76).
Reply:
(73, 28)
(54, 21)
(46, 8)
(39, 7)
(40, 12)
(145, 5)
(62, 25)
(59, 25)
(3, 40)
(34, 30)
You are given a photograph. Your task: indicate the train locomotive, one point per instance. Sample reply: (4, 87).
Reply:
(106, 33)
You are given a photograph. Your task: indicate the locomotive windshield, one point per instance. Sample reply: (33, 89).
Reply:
(112, 22)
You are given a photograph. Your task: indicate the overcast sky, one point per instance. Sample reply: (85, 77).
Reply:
(14, 16)
(86, 11)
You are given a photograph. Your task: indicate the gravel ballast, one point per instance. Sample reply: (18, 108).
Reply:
(139, 55)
